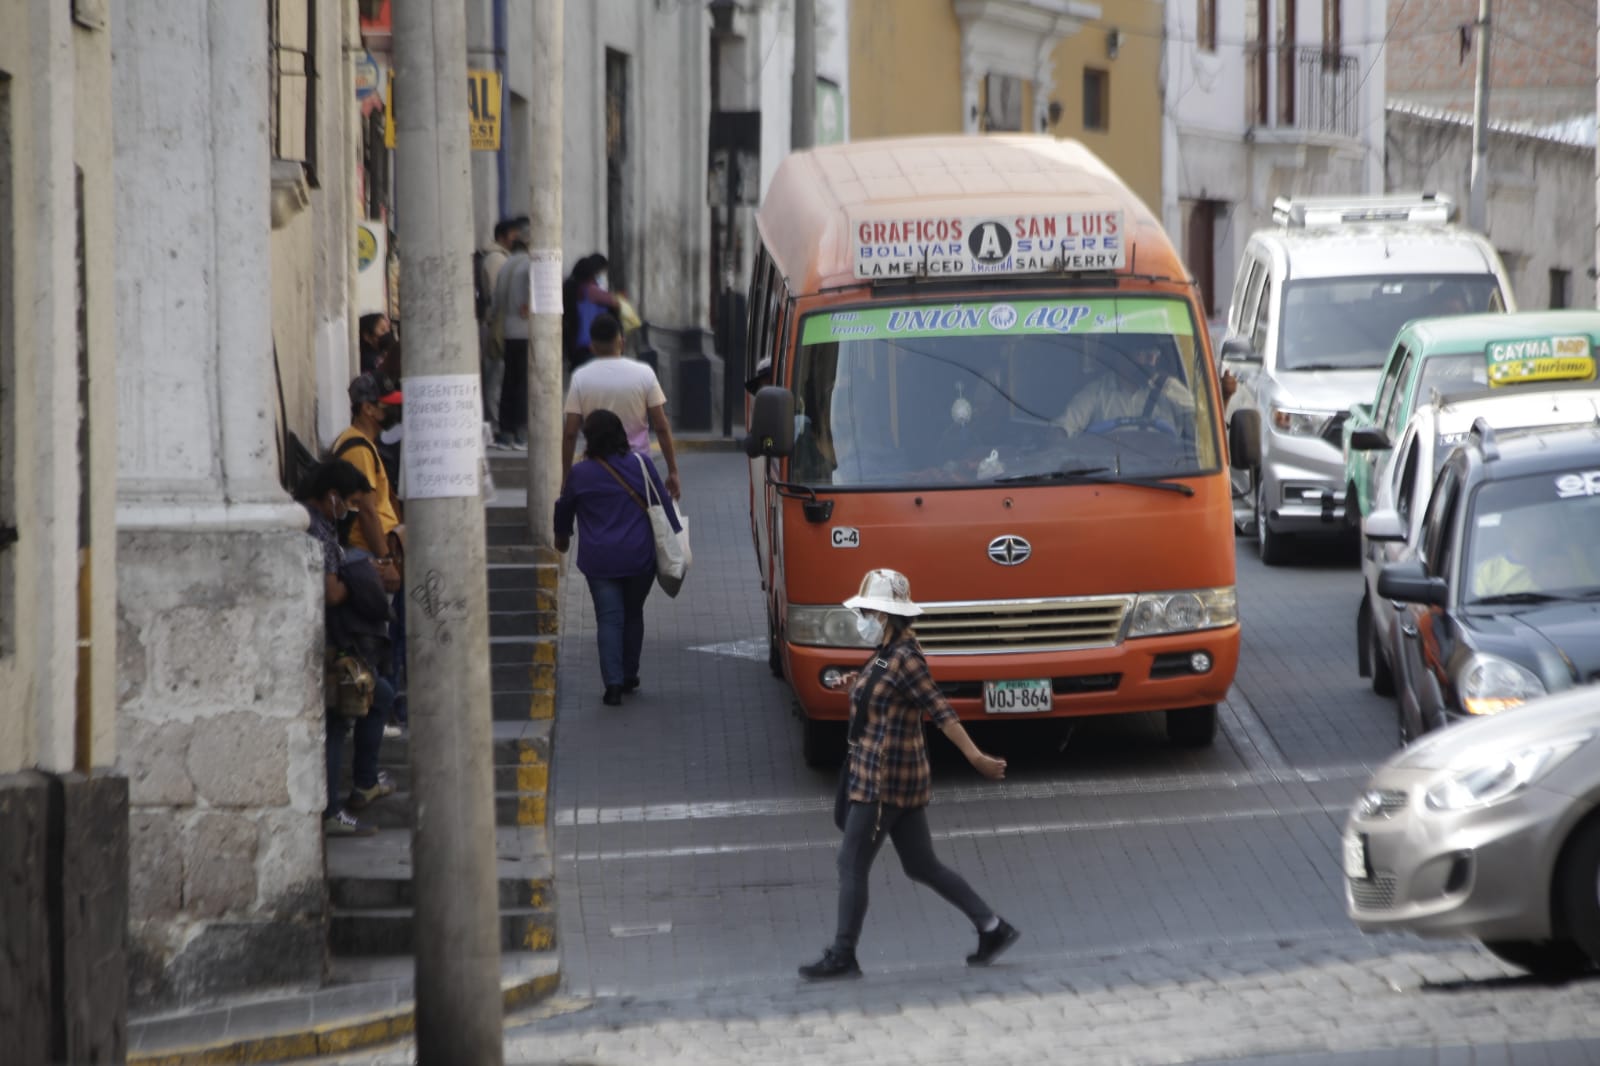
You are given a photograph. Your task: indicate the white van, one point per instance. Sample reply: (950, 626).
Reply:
(1318, 301)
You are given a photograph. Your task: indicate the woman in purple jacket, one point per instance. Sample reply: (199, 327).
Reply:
(606, 492)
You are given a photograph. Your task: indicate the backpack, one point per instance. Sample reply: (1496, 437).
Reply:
(388, 455)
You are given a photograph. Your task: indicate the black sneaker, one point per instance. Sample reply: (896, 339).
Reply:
(832, 964)
(992, 943)
(613, 696)
(630, 684)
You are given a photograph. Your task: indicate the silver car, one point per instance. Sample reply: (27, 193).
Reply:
(1488, 829)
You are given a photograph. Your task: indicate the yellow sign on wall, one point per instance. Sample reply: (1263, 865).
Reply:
(483, 110)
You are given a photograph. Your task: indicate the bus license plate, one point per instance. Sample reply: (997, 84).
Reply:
(1016, 697)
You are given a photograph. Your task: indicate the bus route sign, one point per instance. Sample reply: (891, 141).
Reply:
(1067, 242)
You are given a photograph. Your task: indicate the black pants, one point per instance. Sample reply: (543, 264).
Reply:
(514, 389)
(907, 827)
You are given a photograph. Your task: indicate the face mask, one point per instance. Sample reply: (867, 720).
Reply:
(391, 416)
(870, 626)
(603, 281)
(339, 507)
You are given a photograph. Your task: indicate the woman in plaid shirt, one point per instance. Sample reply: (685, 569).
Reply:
(888, 780)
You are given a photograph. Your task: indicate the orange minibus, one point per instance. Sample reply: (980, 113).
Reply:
(980, 361)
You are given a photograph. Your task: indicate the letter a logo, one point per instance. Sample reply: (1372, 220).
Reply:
(990, 243)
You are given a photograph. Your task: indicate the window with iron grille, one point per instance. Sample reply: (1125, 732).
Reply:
(292, 98)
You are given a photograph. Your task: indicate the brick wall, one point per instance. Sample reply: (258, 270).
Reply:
(1541, 58)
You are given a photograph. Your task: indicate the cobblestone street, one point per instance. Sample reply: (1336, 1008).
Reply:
(1176, 906)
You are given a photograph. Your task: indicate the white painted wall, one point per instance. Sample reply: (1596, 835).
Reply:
(59, 98)
(1211, 153)
(1540, 199)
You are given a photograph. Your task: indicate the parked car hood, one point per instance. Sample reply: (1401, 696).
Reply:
(1565, 714)
(1328, 390)
(1570, 630)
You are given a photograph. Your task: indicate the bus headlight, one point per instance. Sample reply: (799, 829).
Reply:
(1158, 613)
(826, 627)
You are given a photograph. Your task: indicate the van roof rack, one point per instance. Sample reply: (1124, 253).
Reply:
(1483, 433)
(1321, 211)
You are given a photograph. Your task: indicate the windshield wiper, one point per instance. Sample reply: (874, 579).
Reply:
(1515, 597)
(1324, 366)
(1098, 475)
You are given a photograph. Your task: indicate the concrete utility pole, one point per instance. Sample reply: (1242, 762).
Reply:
(803, 97)
(1477, 197)
(457, 916)
(544, 242)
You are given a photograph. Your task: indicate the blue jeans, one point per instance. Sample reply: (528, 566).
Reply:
(369, 737)
(619, 623)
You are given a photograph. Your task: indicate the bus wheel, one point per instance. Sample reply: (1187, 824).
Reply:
(774, 655)
(1192, 727)
(822, 743)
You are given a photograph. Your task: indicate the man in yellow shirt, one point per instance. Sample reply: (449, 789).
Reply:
(1137, 390)
(1530, 553)
(375, 404)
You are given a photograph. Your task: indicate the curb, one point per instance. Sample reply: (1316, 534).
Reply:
(331, 1038)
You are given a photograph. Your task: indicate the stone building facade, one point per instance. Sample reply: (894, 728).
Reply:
(232, 250)
(63, 806)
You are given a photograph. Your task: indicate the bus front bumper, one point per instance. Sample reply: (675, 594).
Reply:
(1147, 674)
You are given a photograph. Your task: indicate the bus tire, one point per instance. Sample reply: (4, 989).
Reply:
(774, 653)
(1192, 727)
(822, 744)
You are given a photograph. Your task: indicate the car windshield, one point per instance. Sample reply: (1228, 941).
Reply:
(1451, 372)
(1350, 323)
(970, 393)
(1534, 537)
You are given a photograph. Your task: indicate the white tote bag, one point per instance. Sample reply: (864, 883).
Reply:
(672, 548)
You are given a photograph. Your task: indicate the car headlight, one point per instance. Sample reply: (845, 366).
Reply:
(1489, 684)
(1493, 777)
(1297, 422)
(828, 627)
(1155, 613)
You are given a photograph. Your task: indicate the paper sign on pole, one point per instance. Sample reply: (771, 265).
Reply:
(544, 279)
(443, 440)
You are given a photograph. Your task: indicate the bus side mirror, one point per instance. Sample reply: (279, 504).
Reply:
(771, 424)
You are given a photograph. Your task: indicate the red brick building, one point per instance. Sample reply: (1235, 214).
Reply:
(1541, 57)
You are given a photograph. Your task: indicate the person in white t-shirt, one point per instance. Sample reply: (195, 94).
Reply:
(621, 385)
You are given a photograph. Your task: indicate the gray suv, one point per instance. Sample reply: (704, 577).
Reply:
(1316, 305)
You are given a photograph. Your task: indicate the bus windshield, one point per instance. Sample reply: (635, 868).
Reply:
(924, 395)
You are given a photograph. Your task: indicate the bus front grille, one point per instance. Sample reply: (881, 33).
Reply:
(996, 626)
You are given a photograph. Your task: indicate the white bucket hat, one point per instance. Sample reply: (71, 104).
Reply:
(887, 591)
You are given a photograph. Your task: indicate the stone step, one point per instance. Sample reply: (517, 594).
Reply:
(374, 873)
(525, 976)
(538, 617)
(390, 930)
(516, 743)
(512, 807)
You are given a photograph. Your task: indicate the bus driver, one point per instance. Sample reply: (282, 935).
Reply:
(1137, 389)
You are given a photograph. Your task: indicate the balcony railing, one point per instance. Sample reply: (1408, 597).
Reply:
(1310, 89)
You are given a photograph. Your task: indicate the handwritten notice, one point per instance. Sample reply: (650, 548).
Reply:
(544, 278)
(443, 441)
